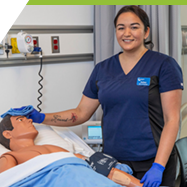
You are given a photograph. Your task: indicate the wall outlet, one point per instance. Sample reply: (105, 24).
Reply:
(14, 45)
(55, 44)
(36, 44)
(1, 48)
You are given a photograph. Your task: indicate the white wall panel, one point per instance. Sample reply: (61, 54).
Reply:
(63, 85)
(56, 15)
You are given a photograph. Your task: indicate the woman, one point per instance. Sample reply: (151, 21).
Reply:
(140, 93)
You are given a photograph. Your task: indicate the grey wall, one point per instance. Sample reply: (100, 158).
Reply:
(184, 57)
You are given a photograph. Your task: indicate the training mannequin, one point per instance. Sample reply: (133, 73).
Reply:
(20, 139)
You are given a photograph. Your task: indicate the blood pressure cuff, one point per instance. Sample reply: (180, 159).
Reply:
(102, 163)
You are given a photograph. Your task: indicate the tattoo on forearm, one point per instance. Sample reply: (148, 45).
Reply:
(57, 118)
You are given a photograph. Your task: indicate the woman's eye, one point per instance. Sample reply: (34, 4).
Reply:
(121, 28)
(20, 119)
(134, 27)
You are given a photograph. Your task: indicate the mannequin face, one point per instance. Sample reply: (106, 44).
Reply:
(22, 128)
(130, 32)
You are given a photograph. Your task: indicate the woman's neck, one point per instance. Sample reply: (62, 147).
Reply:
(128, 60)
(130, 56)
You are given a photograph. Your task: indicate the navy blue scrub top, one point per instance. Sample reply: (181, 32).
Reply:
(132, 113)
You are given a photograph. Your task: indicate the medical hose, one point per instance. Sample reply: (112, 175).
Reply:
(39, 82)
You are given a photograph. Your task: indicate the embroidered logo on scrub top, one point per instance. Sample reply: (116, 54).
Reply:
(143, 81)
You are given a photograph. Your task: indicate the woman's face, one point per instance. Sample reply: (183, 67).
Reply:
(130, 32)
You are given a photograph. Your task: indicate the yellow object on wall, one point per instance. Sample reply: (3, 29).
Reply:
(14, 46)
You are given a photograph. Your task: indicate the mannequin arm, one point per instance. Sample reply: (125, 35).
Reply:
(80, 156)
(119, 177)
(7, 162)
(123, 178)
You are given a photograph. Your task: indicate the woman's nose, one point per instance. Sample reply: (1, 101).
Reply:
(127, 32)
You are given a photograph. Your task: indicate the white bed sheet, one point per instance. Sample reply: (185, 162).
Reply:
(22, 171)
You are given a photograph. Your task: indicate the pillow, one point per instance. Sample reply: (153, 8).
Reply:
(79, 145)
(46, 135)
(3, 149)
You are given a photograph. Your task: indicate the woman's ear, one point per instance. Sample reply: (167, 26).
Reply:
(147, 33)
(7, 134)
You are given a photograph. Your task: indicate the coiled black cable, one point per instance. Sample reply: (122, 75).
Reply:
(39, 82)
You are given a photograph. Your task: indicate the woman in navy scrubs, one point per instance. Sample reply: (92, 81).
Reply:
(140, 93)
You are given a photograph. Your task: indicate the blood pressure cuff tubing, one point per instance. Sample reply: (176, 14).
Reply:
(102, 163)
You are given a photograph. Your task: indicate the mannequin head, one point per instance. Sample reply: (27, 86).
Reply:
(16, 128)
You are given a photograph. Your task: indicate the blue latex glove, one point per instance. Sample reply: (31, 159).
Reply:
(36, 116)
(124, 167)
(153, 177)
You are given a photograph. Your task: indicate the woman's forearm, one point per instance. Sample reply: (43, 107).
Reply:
(167, 141)
(171, 103)
(79, 115)
(65, 118)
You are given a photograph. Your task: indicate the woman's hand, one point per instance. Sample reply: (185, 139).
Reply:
(153, 177)
(36, 116)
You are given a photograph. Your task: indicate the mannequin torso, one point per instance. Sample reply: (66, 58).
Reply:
(30, 152)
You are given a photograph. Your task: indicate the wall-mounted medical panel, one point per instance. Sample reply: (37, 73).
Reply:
(58, 42)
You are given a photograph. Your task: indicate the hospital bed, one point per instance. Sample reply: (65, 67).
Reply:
(62, 137)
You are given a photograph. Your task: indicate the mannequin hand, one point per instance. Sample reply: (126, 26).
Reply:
(153, 176)
(36, 116)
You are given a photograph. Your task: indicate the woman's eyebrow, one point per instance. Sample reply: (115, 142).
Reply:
(119, 25)
(130, 24)
(135, 24)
